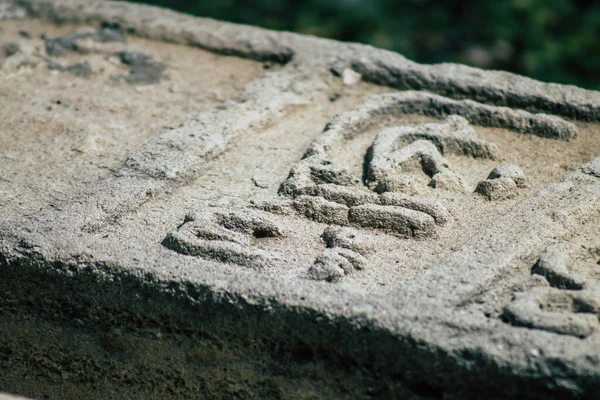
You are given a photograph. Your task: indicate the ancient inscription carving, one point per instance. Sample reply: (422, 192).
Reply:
(336, 196)
(568, 303)
(225, 235)
(407, 212)
(325, 190)
(346, 251)
(425, 144)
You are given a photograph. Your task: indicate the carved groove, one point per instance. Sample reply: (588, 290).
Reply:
(490, 87)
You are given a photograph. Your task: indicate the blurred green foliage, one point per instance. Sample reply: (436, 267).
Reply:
(551, 40)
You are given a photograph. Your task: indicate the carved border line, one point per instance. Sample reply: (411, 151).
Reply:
(168, 26)
(381, 107)
(375, 65)
(183, 153)
(404, 327)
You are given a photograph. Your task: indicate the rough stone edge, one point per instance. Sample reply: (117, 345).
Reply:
(165, 25)
(439, 362)
(450, 341)
(375, 65)
(508, 241)
(533, 374)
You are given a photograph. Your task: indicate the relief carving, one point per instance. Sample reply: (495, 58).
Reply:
(569, 303)
(323, 189)
(337, 197)
(225, 235)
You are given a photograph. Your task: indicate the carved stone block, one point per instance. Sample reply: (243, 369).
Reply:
(196, 209)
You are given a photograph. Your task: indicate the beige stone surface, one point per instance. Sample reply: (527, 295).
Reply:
(190, 208)
(69, 131)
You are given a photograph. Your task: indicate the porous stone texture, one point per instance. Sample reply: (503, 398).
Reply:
(497, 189)
(197, 209)
(502, 182)
(512, 172)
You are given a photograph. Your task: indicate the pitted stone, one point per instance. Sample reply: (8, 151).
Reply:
(497, 189)
(335, 263)
(349, 238)
(225, 235)
(509, 171)
(396, 149)
(400, 289)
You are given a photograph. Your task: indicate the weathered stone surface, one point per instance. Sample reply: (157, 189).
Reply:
(510, 171)
(197, 209)
(497, 189)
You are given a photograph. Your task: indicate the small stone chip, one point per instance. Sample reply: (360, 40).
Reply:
(509, 171)
(497, 189)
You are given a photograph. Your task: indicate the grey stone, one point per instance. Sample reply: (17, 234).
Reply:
(142, 69)
(448, 180)
(554, 266)
(424, 144)
(8, 10)
(349, 238)
(592, 168)
(321, 210)
(432, 207)
(224, 235)
(139, 259)
(11, 49)
(63, 46)
(555, 311)
(453, 135)
(570, 304)
(509, 171)
(334, 263)
(399, 220)
(497, 189)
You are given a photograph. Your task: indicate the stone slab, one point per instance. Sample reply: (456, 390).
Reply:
(194, 208)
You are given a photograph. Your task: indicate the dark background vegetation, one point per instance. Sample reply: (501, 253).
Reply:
(551, 40)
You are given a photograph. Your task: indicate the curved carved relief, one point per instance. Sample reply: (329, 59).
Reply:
(326, 191)
(225, 235)
(321, 189)
(343, 200)
(502, 182)
(396, 149)
(570, 304)
(346, 251)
